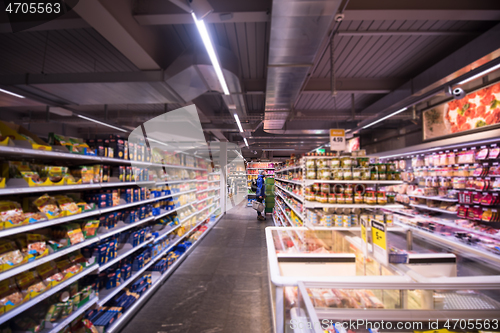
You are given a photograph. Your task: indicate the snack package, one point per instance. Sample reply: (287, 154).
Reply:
(49, 274)
(68, 268)
(23, 170)
(10, 296)
(54, 173)
(37, 245)
(67, 204)
(10, 255)
(11, 214)
(30, 284)
(85, 173)
(48, 206)
(68, 234)
(89, 228)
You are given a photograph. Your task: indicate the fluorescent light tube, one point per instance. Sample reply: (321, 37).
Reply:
(238, 122)
(382, 119)
(11, 93)
(246, 142)
(205, 37)
(480, 74)
(100, 122)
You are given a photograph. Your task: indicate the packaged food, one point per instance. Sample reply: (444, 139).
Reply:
(345, 162)
(494, 152)
(67, 204)
(89, 228)
(11, 212)
(48, 206)
(324, 173)
(482, 154)
(30, 284)
(10, 255)
(67, 267)
(85, 173)
(10, 296)
(49, 273)
(36, 244)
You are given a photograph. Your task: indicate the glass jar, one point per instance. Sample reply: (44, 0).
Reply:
(332, 199)
(340, 198)
(397, 175)
(325, 187)
(356, 173)
(365, 174)
(391, 198)
(381, 168)
(316, 187)
(349, 189)
(381, 198)
(382, 176)
(373, 175)
(310, 163)
(358, 198)
(324, 173)
(434, 182)
(347, 173)
(321, 163)
(391, 167)
(363, 162)
(370, 198)
(346, 162)
(335, 163)
(310, 196)
(311, 174)
(322, 197)
(349, 199)
(337, 174)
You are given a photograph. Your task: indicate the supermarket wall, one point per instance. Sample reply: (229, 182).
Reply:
(391, 139)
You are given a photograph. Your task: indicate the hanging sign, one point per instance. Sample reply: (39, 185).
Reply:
(337, 139)
(379, 239)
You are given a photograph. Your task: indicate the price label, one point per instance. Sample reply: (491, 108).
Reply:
(379, 240)
(337, 139)
(363, 232)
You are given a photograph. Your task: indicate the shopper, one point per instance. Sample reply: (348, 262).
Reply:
(261, 192)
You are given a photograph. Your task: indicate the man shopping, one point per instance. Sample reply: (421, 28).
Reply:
(261, 192)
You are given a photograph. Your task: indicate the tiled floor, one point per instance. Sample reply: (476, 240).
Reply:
(221, 287)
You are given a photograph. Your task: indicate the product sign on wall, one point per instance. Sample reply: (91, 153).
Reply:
(379, 239)
(478, 109)
(337, 139)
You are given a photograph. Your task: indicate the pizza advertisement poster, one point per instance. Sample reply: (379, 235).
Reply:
(478, 109)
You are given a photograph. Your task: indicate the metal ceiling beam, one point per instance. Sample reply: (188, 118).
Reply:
(422, 14)
(407, 33)
(115, 23)
(215, 17)
(344, 85)
(59, 24)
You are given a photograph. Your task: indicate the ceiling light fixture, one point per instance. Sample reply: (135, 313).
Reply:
(205, 37)
(11, 93)
(382, 119)
(238, 122)
(480, 74)
(246, 142)
(100, 122)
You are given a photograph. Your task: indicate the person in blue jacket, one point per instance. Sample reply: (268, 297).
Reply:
(261, 192)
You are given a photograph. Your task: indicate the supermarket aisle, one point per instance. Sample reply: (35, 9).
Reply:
(221, 287)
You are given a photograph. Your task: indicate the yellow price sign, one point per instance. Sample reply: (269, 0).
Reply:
(363, 232)
(379, 234)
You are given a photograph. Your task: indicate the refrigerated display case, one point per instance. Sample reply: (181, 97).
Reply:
(349, 260)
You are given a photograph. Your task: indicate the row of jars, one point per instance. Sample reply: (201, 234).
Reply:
(370, 173)
(346, 219)
(348, 162)
(368, 198)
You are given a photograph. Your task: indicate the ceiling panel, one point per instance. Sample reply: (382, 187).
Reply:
(60, 51)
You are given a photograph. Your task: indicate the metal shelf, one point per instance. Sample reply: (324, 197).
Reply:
(288, 169)
(434, 209)
(260, 168)
(23, 307)
(380, 182)
(292, 208)
(124, 255)
(434, 198)
(296, 196)
(144, 298)
(59, 326)
(313, 204)
(298, 182)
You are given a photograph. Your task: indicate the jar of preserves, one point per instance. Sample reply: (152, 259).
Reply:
(337, 174)
(310, 163)
(340, 198)
(349, 189)
(335, 163)
(381, 168)
(370, 198)
(347, 173)
(310, 196)
(316, 187)
(358, 198)
(331, 198)
(321, 163)
(346, 162)
(325, 187)
(434, 182)
(322, 197)
(391, 167)
(373, 175)
(324, 173)
(349, 199)
(311, 174)
(391, 198)
(397, 175)
(382, 176)
(365, 174)
(356, 173)
(363, 162)
(338, 188)
(381, 198)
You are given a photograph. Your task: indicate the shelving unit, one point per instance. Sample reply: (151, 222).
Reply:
(314, 204)
(297, 182)
(296, 196)
(434, 198)
(299, 214)
(373, 182)
(191, 222)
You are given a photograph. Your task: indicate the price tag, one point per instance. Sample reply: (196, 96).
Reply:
(337, 139)
(379, 240)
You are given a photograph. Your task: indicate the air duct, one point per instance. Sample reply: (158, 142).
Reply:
(297, 29)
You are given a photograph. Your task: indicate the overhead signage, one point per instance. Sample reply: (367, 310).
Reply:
(337, 139)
